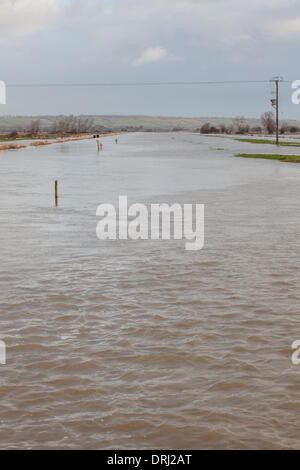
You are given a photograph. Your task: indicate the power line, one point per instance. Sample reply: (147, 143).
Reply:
(136, 84)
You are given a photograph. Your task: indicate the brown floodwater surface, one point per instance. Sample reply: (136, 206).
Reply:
(142, 344)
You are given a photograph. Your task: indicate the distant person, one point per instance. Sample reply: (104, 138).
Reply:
(116, 140)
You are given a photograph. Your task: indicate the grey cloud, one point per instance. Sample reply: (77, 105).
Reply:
(93, 40)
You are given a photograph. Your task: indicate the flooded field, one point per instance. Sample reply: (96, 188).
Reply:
(142, 344)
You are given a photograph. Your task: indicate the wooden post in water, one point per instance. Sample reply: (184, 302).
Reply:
(56, 192)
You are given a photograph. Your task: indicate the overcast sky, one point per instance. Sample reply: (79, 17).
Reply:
(90, 41)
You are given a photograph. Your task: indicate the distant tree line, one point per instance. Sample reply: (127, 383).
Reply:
(61, 126)
(70, 125)
(65, 125)
(239, 126)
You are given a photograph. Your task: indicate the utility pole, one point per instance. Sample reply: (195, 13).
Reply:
(275, 103)
(277, 111)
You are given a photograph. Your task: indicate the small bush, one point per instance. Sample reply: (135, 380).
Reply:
(12, 146)
(40, 142)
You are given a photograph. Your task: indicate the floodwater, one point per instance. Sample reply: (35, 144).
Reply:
(142, 344)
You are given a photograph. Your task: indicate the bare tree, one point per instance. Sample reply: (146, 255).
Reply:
(14, 134)
(65, 125)
(256, 130)
(268, 122)
(54, 128)
(35, 127)
(284, 127)
(226, 129)
(62, 126)
(205, 129)
(240, 125)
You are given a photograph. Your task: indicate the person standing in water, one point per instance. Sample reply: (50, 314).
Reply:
(99, 145)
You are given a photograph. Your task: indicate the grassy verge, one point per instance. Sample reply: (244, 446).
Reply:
(270, 142)
(16, 140)
(281, 158)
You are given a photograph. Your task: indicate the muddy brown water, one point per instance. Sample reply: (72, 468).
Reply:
(141, 344)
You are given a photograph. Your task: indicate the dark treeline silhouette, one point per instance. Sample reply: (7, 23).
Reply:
(239, 126)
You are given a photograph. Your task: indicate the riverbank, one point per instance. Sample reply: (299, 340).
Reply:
(12, 146)
(40, 142)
